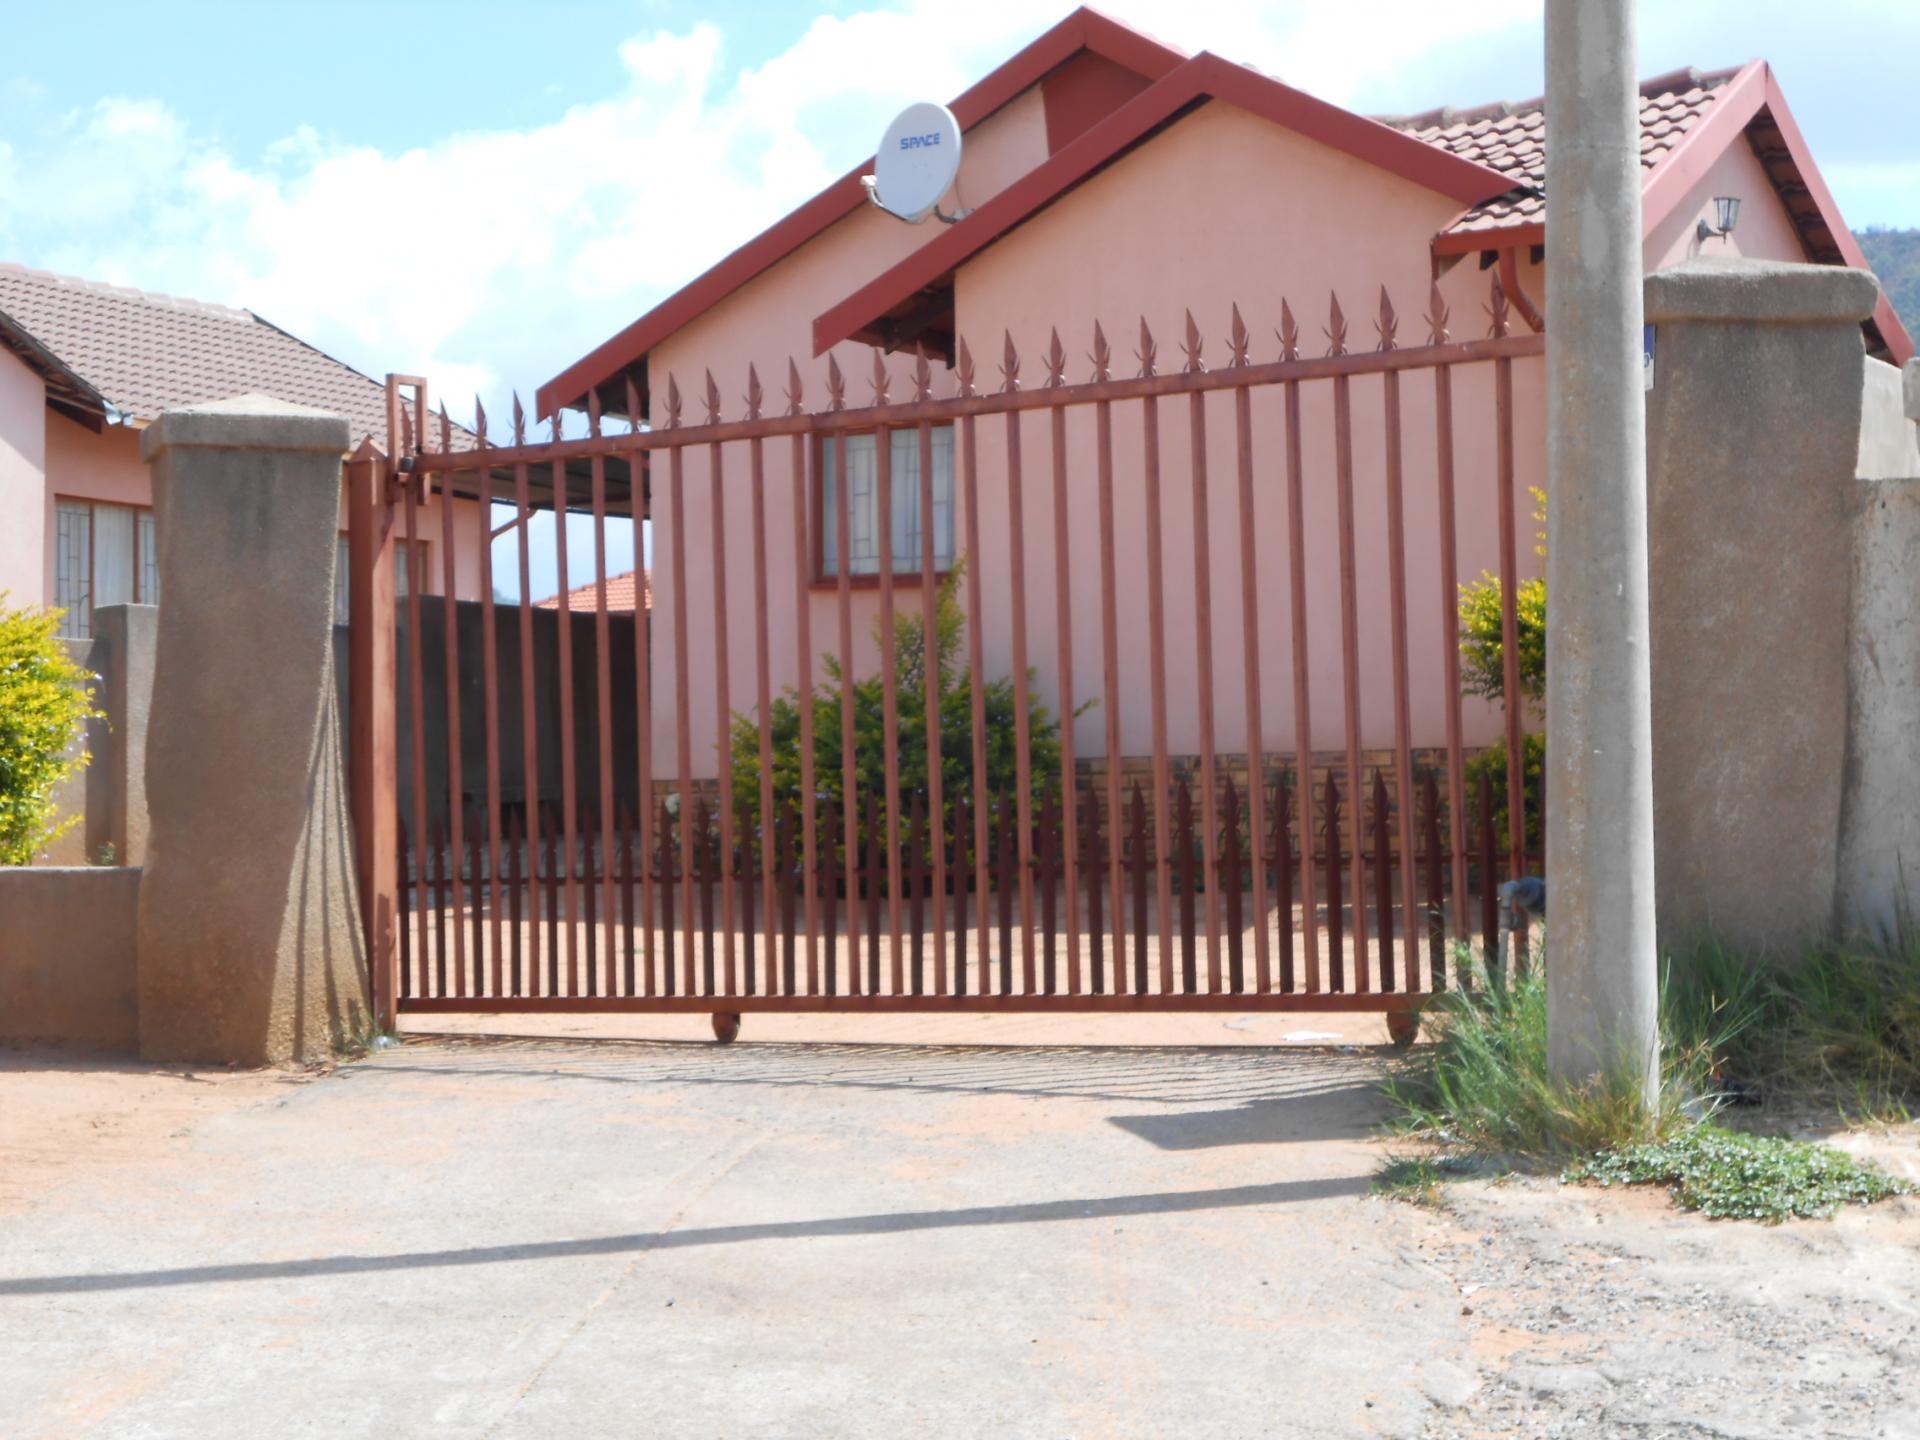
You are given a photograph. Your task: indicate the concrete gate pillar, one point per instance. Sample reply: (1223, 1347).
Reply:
(250, 949)
(1753, 431)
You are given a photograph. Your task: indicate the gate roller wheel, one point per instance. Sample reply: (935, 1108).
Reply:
(1403, 1027)
(726, 1026)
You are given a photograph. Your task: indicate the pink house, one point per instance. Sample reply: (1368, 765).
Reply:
(84, 367)
(1110, 178)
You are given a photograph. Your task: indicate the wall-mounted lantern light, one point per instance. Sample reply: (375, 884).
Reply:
(1726, 209)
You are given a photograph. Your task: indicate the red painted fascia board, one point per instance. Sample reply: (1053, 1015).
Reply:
(1206, 76)
(1084, 29)
(1885, 318)
(1504, 237)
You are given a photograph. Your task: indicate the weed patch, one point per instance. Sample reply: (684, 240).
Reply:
(1730, 1176)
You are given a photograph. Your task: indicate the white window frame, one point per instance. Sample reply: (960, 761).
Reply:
(855, 453)
(76, 535)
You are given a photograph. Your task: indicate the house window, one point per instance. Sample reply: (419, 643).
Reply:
(343, 575)
(103, 555)
(850, 460)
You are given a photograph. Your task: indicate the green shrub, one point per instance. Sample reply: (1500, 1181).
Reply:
(1729, 1176)
(1492, 762)
(1483, 640)
(45, 701)
(869, 721)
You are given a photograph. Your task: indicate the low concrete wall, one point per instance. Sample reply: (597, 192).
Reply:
(68, 969)
(1880, 811)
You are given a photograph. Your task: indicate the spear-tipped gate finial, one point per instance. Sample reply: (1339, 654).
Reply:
(712, 400)
(1288, 333)
(795, 392)
(1336, 331)
(1102, 356)
(836, 385)
(1498, 308)
(479, 419)
(1191, 346)
(965, 366)
(519, 421)
(922, 374)
(753, 395)
(1239, 342)
(1009, 364)
(673, 402)
(1056, 360)
(446, 430)
(881, 380)
(633, 404)
(1436, 316)
(1147, 351)
(1387, 325)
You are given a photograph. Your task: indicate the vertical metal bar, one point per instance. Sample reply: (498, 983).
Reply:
(406, 888)
(1510, 623)
(1336, 914)
(1449, 612)
(1250, 665)
(1203, 666)
(723, 706)
(1382, 881)
(1063, 625)
(930, 647)
(603, 686)
(490, 699)
(1350, 666)
(1022, 703)
(639, 501)
(529, 707)
(373, 747)
(417, 711)
(1157, 664)
(849, 759)
(1302, 698)
(982, 813)
(803, 651)
(763, 684)
(569, 786)
(456, 788)
(682, 695)
(1402, 704)
(1110, 662)
(889, 688)
(516, 838)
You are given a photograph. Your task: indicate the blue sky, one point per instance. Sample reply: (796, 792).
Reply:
(473, 190)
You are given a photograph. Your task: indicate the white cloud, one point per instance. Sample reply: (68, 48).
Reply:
(491, 257)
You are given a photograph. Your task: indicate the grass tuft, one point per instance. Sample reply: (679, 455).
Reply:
(1483, 1084)
(1726, 1175)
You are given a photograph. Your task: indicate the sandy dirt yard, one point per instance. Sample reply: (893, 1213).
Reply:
(556, 1235)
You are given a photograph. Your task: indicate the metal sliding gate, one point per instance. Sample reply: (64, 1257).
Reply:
(547, 822)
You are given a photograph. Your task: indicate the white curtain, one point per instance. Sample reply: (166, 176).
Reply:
(113, 554)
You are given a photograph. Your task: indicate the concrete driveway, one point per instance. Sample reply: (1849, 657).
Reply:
(546, 1238)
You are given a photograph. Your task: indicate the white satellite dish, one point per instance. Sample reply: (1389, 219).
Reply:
(916, 164)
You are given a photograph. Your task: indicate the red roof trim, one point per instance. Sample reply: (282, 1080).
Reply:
(1500, 237)
(1206, 76)
(1084, 29)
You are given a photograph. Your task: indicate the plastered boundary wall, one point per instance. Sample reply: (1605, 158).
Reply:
(1784, 525)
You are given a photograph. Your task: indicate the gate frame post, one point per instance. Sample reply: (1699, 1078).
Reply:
(373, 744)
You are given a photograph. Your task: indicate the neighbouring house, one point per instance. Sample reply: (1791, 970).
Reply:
(1110, 178)
(622, 592)
(84, 367)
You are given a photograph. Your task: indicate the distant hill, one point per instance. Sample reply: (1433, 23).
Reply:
(1895, 257)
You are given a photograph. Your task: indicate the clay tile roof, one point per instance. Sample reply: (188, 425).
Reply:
(1512, 138)
(583, 600)
(145, 353)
